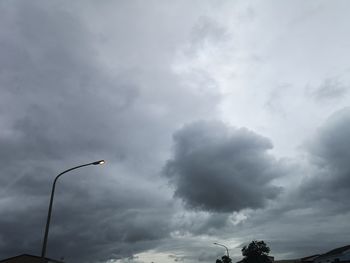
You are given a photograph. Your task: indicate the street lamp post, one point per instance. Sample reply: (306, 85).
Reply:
(43, 251)
(228, 255)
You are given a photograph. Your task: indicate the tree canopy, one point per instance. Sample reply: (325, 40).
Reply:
(224, 259)
(256, 252)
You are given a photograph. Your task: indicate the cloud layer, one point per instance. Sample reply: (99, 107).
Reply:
(119, 80)
(329, 153)
(62, 105)
(222, 169)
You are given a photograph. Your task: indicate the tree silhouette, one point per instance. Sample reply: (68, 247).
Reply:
(256, 252)
(224, 259)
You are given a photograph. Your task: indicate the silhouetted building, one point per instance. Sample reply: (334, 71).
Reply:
(337, 255)
(341, 254)
(25, 258)
(309, 259)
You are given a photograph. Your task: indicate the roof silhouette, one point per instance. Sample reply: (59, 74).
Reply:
(338, 250)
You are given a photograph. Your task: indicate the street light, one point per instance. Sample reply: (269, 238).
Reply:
(228, 255)
(43, 251)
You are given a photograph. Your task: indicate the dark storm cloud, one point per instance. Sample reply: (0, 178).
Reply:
(59, 107)
(329, 154)
(202, 223)
(109, 225)
(222, 169)
(317, 207)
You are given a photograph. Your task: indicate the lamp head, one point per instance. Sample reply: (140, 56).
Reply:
(99, 162)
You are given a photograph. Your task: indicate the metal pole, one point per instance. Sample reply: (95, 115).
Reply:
(43, 251)
(228, 255)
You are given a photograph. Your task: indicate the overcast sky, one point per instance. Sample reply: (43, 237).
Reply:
(220, 121)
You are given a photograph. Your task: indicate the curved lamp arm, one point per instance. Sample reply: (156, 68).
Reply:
(43, 251)
(224, 247)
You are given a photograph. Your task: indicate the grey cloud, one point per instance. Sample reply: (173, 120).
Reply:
(275, 102)
(61, 106)
(330, 89)
(207, 33)
(309, 231)
(54, 93)
(210, 224)
(314, 208)
(208, 30)
(201, 223)
(89, 213)
(329, 154)
(82, 81)
(222, 169)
